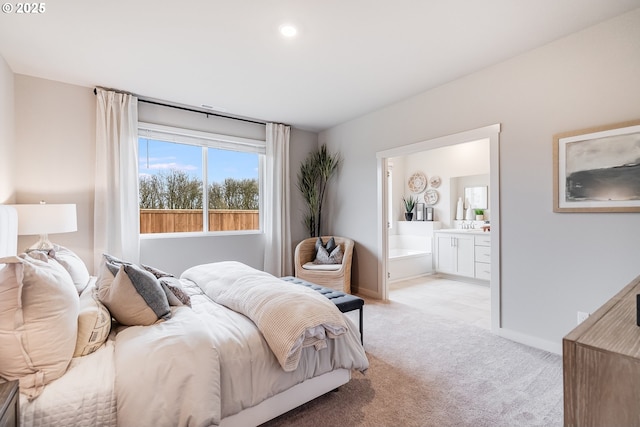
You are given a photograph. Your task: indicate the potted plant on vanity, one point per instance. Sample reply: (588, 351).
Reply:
(409, 205)
(479, 214)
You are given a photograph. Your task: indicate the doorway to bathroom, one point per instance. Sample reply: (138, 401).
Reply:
(437, 173)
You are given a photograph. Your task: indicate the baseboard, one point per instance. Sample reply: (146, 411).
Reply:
(368, 293)
(531, 341)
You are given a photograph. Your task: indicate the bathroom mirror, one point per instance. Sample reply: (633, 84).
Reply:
(476, 196)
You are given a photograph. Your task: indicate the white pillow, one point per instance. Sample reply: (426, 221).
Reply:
(38, 321)
(73, 264)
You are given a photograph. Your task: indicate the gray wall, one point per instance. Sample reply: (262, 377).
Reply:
(54, 156)
(552, 264)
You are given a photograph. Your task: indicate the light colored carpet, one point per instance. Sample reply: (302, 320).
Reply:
(429, 370)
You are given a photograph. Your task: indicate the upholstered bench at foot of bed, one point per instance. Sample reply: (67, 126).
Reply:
(344, 302)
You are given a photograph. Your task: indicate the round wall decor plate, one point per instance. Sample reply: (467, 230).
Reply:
(431, 197)
(417, 182)
(435, 181)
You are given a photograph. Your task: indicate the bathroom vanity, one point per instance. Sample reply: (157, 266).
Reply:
(463, 252)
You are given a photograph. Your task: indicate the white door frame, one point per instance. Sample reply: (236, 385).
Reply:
(491, 132)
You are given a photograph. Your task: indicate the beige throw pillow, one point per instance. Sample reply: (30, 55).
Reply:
(38, 321)
(94, 323)
(132, 295)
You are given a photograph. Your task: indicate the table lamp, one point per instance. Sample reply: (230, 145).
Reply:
(44, 219)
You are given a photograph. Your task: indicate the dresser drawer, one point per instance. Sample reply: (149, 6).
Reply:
(483, 240)
(483, 254)
(483, 271)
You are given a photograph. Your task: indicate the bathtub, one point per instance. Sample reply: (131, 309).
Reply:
(409, 256)
(405, 253)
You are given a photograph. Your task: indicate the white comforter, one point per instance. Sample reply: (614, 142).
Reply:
(289, 317)
(250, 372)
(200, 366)
(168, 374)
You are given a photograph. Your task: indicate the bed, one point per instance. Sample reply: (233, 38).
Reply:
(204, 364)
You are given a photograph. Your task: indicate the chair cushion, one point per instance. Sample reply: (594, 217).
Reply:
(322, 267)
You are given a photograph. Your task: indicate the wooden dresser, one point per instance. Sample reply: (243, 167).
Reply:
(601, 358)
(9, 401)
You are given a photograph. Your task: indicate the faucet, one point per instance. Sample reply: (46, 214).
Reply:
(467, 225)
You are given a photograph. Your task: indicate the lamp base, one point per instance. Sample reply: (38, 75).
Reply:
(44, 244)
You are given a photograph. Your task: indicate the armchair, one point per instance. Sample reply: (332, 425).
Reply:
(332, 276)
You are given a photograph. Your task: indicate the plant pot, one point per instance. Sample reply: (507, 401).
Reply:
(408, 216)
(479, 217)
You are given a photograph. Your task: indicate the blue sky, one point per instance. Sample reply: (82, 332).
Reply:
(163, 156)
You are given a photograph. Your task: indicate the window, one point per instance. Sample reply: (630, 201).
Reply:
(193, 181)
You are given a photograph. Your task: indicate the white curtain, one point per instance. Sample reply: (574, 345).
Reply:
(278, 258)
(116, 210)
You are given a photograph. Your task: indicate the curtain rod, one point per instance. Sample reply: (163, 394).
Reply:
(179, 107)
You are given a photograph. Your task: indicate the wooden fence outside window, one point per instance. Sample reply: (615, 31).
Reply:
(190, 220)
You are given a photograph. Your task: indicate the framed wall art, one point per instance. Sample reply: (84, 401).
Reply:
(597, 169)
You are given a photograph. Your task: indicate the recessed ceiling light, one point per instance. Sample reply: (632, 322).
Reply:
(288, 30)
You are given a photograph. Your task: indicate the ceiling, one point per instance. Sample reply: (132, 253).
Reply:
(350, 56)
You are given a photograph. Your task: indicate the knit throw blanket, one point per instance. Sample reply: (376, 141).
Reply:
(290, 317)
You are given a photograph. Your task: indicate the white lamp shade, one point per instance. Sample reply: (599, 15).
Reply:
(46, 219)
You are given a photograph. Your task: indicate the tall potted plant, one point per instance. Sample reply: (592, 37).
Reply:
(313, 177)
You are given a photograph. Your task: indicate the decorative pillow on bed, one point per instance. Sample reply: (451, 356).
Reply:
(175, 294)
(171, 286)
(38, 321)
(325, 257)
(158, 273)
(94, 323)
(73, 264)
(133, 295)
